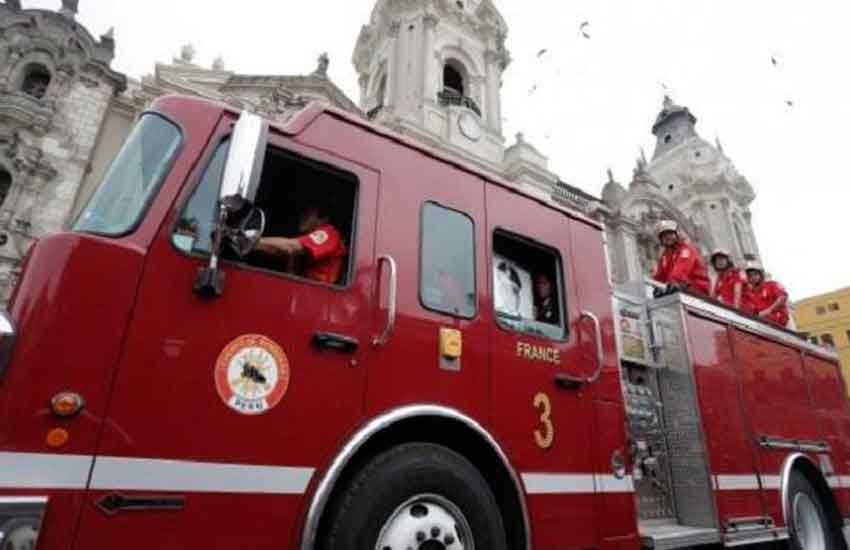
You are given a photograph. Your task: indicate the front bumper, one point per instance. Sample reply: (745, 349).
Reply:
(20, 521)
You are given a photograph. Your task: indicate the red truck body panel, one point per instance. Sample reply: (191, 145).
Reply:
(115, 320)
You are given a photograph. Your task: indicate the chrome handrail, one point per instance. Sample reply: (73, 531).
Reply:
(391, 300)
(600, 351)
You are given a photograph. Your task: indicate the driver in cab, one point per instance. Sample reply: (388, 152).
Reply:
(317, 253)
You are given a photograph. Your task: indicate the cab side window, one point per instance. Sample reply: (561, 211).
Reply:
(447, 261)
(527, 286)
(310, 217)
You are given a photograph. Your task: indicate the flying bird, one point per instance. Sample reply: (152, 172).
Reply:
(533, 89)
(583, 29)
(541, 53)
(789, 103)
(774, 61)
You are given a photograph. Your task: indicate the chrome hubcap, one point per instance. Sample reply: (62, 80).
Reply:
(807, 524)
(426, 522)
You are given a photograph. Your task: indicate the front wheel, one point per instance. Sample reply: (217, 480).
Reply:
(417, 496)
(809, 522)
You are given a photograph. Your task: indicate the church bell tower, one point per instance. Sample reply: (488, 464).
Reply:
(433, 69)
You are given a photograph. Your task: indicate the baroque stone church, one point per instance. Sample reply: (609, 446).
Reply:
(431, 69)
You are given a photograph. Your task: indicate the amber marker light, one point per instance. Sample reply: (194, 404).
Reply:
(57, 437)
(66, 404)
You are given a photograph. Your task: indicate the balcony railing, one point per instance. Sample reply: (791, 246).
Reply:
(452, 97)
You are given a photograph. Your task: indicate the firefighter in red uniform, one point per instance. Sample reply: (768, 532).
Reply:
(681, 266)
(318, 253)
(767, 300)
(728, 287)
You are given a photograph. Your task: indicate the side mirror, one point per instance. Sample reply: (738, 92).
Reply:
(244, 237)
(244, 162)
(242, 171)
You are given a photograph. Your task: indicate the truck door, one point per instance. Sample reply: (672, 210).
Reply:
(223, 408)
(540, 411)
(431, 219)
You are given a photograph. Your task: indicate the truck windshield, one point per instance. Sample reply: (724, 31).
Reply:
(133, 178)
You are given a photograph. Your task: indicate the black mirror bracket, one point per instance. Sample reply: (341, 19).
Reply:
(209, 281)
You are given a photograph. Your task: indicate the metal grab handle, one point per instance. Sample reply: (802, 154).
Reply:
(391, 300)
(600, 351)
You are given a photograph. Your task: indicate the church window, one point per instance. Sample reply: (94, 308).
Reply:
(697, 154)
(667, 138)
(459, 4)
(670, 188)
(36, 80)
(714, 207)
(453, 77)
(5, 184)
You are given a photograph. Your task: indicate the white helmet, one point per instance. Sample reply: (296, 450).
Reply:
(753, 265)
(721, 252)
(664, 226)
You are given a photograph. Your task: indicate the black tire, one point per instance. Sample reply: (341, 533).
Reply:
(800, 538)
(388, 481)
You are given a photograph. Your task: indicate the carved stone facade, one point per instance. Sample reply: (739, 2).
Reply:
(431, 69)
(56, 85)
(688, 180)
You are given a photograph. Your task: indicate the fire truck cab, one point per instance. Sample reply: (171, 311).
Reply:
(435, 360)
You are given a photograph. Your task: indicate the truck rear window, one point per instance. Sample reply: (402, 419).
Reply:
(133, 178)
(447, 277)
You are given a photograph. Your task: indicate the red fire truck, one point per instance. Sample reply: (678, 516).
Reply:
(470, 379)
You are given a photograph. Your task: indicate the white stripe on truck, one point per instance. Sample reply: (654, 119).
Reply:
(57, 471)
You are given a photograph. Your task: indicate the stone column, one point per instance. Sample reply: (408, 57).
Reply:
(430, 75)
(395, 69)
(493, 119)
(364, 90)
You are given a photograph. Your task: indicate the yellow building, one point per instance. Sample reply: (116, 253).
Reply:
(826, 320)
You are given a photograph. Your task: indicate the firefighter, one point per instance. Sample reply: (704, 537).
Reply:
(728, 287)
(765, 299)
(681, 266)
(545, 301)
(318, 252)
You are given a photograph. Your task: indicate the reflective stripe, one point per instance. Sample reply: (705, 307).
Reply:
(546, 484)
(844, 481)
(833, 482)
(551, 483)
(771, 482)
(607, 483)
(41, 470)
(55, 471)
(727, 482)
(144, 474)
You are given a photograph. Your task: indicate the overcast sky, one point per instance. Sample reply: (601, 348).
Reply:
(596, 99)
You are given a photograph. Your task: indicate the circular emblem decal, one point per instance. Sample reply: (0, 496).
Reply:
(252, 374)
(319, 237)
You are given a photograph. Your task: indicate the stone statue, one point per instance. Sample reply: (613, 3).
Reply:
(218, 64)
(322, 69)
(14, 4)
(69, 8)
(187, 53)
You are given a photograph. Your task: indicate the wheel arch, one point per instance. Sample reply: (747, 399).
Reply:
(806, 466)
(429, 424)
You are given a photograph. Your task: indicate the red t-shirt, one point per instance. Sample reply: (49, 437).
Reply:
(724, 286)
(682, 264)
(327, 254)
(758, 298)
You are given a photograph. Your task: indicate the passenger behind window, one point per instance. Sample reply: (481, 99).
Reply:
(318, 253)
(512, 292)
(545, 300)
